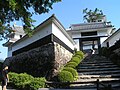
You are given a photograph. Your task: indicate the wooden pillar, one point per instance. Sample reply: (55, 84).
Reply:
(81, 44)
(99, 45)
(97, 82)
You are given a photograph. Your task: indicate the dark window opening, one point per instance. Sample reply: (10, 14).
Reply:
(99, 20)
(20, 36)
(89, 33)
(107, 44)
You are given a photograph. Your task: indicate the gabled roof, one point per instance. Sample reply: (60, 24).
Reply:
(88, 26)
(44, 23)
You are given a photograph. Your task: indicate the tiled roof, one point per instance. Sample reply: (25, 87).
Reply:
(94, 25)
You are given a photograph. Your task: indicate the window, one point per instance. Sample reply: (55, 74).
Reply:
(89, 33)
(20, 36)
(107, 44)
(99, 20)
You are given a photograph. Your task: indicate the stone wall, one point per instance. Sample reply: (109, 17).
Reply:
(45, 60)
(36, 62)
(62, 56)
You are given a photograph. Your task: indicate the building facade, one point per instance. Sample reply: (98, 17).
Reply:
(51, 30)
(49, 48)
(84, 36)
(16, 34)
(111, 40)
(90, 35)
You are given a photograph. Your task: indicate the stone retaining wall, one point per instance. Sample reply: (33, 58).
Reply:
(42, 61)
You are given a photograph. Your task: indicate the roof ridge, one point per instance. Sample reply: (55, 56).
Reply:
(88, 23)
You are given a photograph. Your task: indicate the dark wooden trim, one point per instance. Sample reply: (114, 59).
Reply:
(90, 37)
(87, 38)
(48, 39)
(33, 45)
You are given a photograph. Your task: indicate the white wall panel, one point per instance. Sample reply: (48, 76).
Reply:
(57, 32)
(38, 35)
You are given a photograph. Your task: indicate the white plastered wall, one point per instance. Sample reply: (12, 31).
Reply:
(58, 33)
(112, 40)
(44, 31)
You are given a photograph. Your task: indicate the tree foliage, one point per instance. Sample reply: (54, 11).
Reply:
(23, 10)
(91, 16)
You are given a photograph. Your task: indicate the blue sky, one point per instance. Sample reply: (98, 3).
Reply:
(70, 12)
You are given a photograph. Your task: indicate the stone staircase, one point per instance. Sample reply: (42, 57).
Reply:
(94, 68)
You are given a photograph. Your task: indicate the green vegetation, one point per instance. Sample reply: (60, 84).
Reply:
(68, 72)
(23, 10)
(91, 16)
(80, 53)
(113, 52)
(71, 64)
(104, 51)
(76, 59)
(73, 71)
(25, 81)
(65, 76)
(37, 83)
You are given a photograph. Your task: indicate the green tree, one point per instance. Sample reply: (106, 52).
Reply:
(91, 16)
(23, 10)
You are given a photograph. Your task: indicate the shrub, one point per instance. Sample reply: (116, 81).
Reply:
(20, 80)
(75, 59)
(71, 64)
(104, 51)
(65, 76)
(79, 56)
(13, 77)
(68, 72)
(73, 71)
(80, 53)
(37, 83)
(115, 46)
(26, 81)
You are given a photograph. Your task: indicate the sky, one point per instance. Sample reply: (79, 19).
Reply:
(70, 12)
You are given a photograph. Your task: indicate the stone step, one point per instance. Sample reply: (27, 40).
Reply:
(100, 79)
(63, 89)
(96, 60)
(96, 64)
(93, 85)
(84, 86)
(98, 76)
(96, 69)
(99, 72)
(91, 67)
